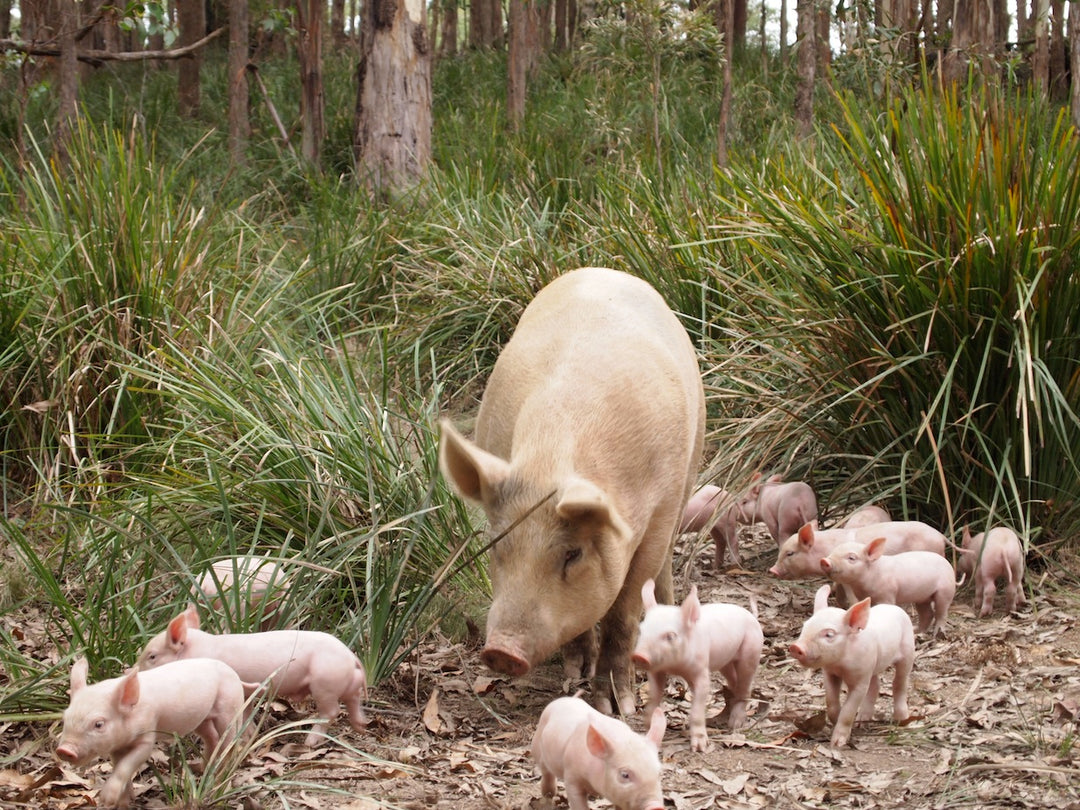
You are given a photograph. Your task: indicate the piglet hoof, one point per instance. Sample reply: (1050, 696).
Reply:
(699, 741)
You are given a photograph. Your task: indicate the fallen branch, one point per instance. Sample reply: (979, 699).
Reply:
(98, 56)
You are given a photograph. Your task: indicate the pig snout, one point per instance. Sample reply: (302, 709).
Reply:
(505, 657)
(774, 571)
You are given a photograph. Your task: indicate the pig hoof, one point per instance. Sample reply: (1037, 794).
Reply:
(699, 742)
(505, 662)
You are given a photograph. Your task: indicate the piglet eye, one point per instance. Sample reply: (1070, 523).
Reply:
(625, 775)
(99, 724)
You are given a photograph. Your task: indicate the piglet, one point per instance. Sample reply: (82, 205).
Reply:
(594, 753)
(865, 516)
(853, 648)
(799, 557)
(920, 578)
(782, 507)
(691, 641)
(250, 584)
(711, 506)
(293, 664)
(990, 556)
(123, 717)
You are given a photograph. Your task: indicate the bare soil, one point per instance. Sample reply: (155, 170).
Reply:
(995, 710)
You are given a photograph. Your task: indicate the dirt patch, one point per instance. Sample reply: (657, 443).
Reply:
(994, 724)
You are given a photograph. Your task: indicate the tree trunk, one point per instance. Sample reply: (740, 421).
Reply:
(1040, 59)
(392, 139)
(517, 64)
(806, 44)
(724, 123)
(1057, 66)
(495, 23)
(5, 19)
(309, 15)
(68, 95)
(192, 22)
(738, 27)
(337, 23)
(562, 30)
(1074, 51)
(239, 123)
(448, 36)
(783, 31)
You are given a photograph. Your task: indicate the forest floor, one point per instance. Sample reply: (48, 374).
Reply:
(995, 704)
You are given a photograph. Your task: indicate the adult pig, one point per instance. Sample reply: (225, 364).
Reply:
(990, 556)
(587, 445)
(293, 664)
(782, 506)
(853, 648)
(919, 578)
(801, 554)
(124, 717)
(713, 507)
(690, 642)
(593, 753)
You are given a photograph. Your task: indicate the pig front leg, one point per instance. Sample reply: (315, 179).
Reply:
(657, 682)
(579, 656)
(701, 687)
(857, 692)
(866, 710)
(577, 795)
(116, 791)
(614, 674)
(833, 682)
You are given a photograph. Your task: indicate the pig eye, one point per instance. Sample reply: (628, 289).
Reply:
(572, 556)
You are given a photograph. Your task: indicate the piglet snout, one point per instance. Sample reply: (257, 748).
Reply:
(640, 660)
(826, 566)
(797, 652)
(68, 753)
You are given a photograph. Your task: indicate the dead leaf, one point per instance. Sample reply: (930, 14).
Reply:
(432, 721)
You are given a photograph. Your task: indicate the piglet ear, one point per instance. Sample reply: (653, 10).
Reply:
(648, 594)
(176, 633)
(597, 743)
(657, 727)
(127, 692)
(858, 615)
(821, 598)
(191, 616)
(966, 537)
(78, 675)
(691, 608)
(806, 536)
(875, 548)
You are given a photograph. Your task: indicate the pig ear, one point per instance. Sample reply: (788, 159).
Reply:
(583, 501)
(875, 548)
(648, 594)
(473, 472)
(858, 614)
(806, 535)
(176, 632)
(657, 727)
(597, 743)
(691, 608)
(127, 692)
(191, 617)
(78, 675)
(821, 598)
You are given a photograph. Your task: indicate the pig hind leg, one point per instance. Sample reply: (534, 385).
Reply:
(901, 675)
(739, 678)
(327, 707)
(989, 591)
(926, 616)
(866, 710)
